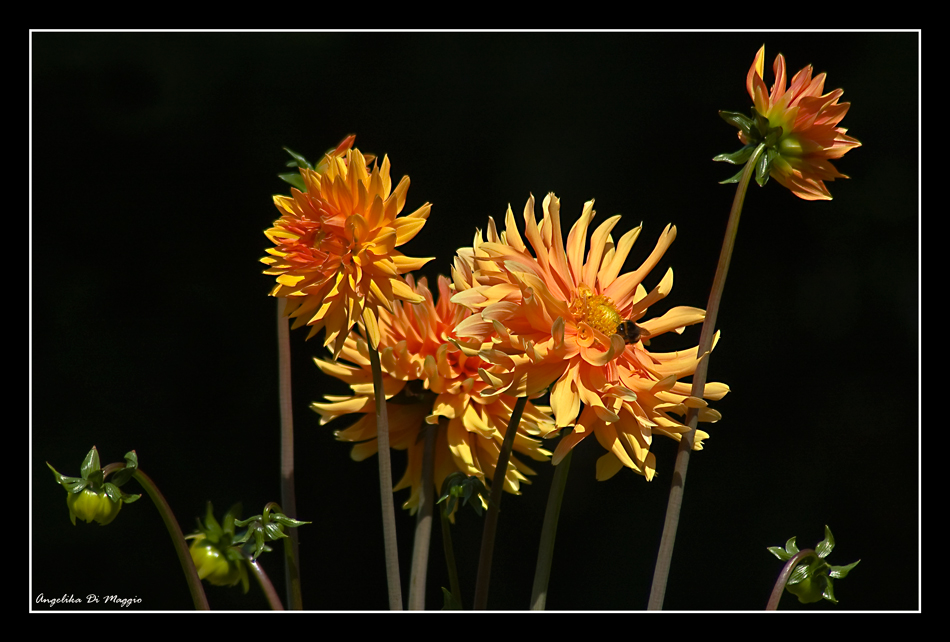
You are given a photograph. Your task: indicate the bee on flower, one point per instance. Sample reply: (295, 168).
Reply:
(573, 322)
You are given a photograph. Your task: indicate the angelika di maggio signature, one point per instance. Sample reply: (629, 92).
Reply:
(90, 599)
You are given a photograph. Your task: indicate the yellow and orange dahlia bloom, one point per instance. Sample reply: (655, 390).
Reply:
(428, 378)
(573, 320)
(334, 251)
(810, 135)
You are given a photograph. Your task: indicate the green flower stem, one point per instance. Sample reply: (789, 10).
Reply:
(178, 539)
(269, 592)
(386, 483)
(665, 555)
(288, 495)
(420, 546)
(450, 554)
(542, 573)
(491, 519)
(783, 578)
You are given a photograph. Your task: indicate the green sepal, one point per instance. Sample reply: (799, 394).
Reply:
(826, 545)
(269, 527)
(233, 513)
(131, 465)
(761, 125)
(71, 484)
(828, 591)
(273, 531)
(294, 179)
(734, 179)
(283, 520)
(839, 572)
(449, 603)
(90, 464)
(211, 527)
(115, 494)
(460, 486)
(790, 550)
(764, 167)
(737, 158)
(739, 121)
(299, 161)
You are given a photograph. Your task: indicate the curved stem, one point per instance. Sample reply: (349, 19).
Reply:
(269, 592)
(288, 495)
(542, 573)
(783, 578)
(178, 539)
(491, 519)
(665, 555)
(386, 483)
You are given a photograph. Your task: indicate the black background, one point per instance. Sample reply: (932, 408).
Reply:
(154, 158)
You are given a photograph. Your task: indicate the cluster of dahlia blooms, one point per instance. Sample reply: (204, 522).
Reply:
(525, 314)
(511, 323)
(432, 384)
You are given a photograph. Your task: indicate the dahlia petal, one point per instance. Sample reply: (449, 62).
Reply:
(598, 244)
(610, 269)
(607, 466)
(406, 228)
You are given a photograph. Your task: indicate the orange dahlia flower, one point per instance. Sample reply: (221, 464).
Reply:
(561, 317)
(810, 137)
(334, 255)
(427, 377)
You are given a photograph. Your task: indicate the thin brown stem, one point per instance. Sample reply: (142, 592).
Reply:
(491, 519)
(420, 545)
(266, 585)
(288, 495)
(386, 484)
(178, 539)
(665, 555)
(542, 573)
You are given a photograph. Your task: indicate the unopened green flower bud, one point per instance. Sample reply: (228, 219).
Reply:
(213, 565)
(92, 506)
(807, 591)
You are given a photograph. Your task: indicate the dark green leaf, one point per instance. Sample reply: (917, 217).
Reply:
(300, 160)
(294, 179)
(741, 121)
(734, 179)
(737, 158)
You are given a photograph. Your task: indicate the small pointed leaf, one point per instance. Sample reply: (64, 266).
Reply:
(826, 545)
(839, 572)
(90, 464)
(300, 160)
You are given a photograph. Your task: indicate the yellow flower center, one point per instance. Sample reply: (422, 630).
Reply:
(595, 310)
